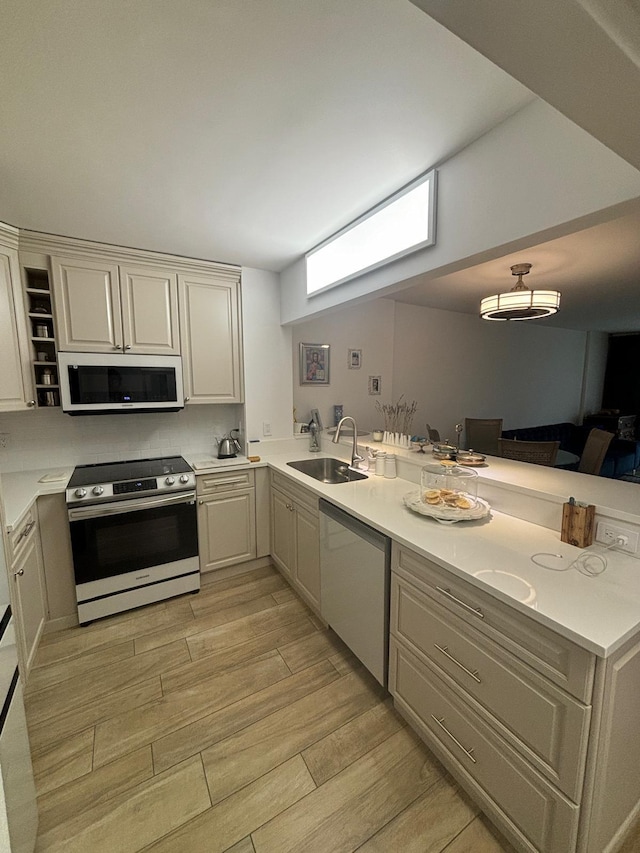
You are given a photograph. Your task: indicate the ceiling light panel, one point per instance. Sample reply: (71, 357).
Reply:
(398, 226)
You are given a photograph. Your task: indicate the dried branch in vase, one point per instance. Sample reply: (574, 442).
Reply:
(398, 417)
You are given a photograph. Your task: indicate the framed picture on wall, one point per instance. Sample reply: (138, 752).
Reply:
(375, 385)
(314, 364)
(354, 359)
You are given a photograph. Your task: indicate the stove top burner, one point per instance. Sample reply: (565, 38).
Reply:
(113, 481)
(134, 469)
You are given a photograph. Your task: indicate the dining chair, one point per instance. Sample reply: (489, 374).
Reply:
(537, 452)
(434, 435)
(482, 434)
(595, 449)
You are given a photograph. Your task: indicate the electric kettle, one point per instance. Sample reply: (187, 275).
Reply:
(235, 441)
(226, 448)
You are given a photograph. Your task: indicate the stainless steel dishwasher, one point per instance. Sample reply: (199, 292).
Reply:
(354, 586)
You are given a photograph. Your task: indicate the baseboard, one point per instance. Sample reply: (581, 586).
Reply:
(232, 571)
(60, 623)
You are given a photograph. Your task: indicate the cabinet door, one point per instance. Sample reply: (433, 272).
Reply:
(282, 531)
(150, 311)
(29, 599)
(307, 564)
(210, 331)
(87, 302)
(15, 377)
(226, 529)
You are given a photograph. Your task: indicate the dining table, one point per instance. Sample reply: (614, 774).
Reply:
(566, 459)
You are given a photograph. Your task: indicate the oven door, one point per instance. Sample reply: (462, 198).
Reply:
(126, 536)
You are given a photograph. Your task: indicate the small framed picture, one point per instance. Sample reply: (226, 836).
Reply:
(375, 385)
(314, 364)
(354, 359)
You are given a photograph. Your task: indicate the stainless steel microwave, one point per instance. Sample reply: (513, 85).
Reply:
(103, 383)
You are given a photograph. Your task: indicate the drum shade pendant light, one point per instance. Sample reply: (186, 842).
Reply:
(520, 303)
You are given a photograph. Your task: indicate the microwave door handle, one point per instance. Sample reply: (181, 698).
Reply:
(129, 506)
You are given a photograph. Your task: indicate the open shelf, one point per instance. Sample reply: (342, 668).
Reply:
(39, 306)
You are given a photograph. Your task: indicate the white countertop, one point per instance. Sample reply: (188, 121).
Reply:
(21, 488)
(598, 613)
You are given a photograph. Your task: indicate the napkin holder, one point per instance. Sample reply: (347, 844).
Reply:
(577, 524)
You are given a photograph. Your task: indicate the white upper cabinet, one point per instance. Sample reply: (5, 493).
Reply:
(16, 387)
(104, 307)
(150, 310)
(211, 335)
(87, 300)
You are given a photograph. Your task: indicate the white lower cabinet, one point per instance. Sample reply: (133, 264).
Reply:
(541, 732)
(295, 536)
(538, 719)
(226, 519)
(28, 593)
(473, 750)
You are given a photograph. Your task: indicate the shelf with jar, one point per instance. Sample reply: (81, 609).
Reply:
(39, 303)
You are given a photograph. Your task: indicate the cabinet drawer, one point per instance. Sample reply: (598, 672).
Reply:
(472, 751)
(22, 533)
(305, 498)
(560, 660)
(211, 484)
(549, 727)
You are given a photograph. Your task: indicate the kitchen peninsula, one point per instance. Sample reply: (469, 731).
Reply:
(568, 640)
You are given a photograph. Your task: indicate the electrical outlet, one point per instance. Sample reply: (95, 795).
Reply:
(5, 440)
(608, 533)
(266, 428)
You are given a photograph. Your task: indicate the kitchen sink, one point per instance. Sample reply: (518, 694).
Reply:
(328, 470)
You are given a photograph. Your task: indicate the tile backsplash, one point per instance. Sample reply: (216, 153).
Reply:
(46, 438)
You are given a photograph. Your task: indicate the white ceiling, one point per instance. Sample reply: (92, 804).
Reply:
(596, 270)
(243, 131)
(246, 131)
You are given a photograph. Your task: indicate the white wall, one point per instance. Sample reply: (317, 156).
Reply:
(458, 366)
(267, 357)
(46, 438)
(368, 327)
(533, 173)
(453, 365)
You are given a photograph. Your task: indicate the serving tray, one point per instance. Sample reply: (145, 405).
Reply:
(446, 514)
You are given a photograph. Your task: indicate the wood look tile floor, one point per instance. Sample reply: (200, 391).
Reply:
(231, 721)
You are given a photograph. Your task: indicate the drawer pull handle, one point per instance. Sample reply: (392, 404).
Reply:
(467, 752)
(475, 610)
(230, 481)
(19, 573)
(445, 651)
(26, 531)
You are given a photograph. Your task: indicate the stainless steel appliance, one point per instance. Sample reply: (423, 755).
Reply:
(354, 586)
(227, 448)
(108, 383)
(133, 534)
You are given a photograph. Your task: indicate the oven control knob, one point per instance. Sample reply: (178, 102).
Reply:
(184, 478)
(80, 493)
(170, 481)
(97, 490)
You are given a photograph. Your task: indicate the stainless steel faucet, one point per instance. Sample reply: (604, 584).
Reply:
(355, 457)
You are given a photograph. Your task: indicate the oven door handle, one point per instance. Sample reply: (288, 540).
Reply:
(122, 507)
